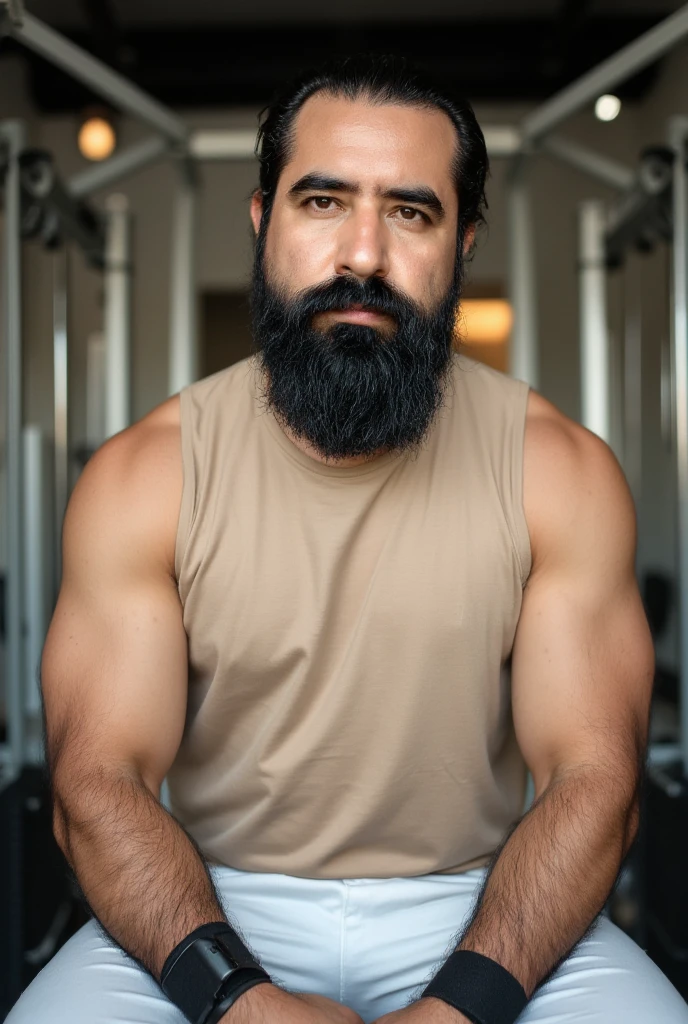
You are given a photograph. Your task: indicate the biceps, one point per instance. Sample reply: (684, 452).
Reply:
(582, 675)
(114, 678)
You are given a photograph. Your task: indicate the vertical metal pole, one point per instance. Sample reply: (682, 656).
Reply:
(38, 563)
(95, 390)
(117, 315)
(12, 133)
(666, 385)
(61, 401)
(183, 362)
(633, 381)
(524, 355)
(594, 333)
(678, 133)
(616, 432)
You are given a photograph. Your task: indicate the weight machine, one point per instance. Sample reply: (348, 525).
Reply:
(652, 206)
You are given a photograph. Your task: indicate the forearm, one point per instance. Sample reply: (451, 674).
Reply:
(142, 875)
(553, 875)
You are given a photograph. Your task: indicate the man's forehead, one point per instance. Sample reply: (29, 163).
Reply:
(373, 140)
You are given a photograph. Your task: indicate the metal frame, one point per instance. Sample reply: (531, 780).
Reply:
(524, 354)
(594, 332)
(60, 400)
(632, 58)
(39, 547)
(632, 401)
(183, 362)
(98, 76)
(173, 137)
(96, 375)
(12, 135)
(119, 166)
(240, 143)
(678, 137)
(609, 172)
(117, 319)
(540, 123)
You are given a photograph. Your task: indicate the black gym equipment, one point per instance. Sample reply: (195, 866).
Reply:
(39, 907)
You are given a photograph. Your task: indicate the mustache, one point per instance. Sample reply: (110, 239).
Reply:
(343, 291)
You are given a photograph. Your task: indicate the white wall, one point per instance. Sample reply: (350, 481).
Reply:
(224, 256)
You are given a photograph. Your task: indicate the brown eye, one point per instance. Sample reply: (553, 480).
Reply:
(408, 213)
(322, 202)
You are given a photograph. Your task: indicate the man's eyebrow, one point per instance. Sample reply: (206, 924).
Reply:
(322, 183)
(419, 195)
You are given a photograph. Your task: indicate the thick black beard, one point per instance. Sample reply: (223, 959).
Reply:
(353, 391)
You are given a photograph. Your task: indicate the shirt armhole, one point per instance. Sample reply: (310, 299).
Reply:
(521, 533)
(188, 484)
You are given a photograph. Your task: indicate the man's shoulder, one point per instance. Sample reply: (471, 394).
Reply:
(148, 447)
(572, 480)
(132, 484)
(553, 439)
(149, 452)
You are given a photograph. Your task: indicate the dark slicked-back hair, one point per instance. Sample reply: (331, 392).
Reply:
(376, 79)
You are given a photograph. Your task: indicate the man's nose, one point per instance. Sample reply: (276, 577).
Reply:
(363, 246)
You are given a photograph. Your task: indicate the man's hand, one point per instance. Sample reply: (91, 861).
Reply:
(427, 1010)
(268, 1004)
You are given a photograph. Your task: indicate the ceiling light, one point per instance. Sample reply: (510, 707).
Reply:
(96, 138)
(607, 107)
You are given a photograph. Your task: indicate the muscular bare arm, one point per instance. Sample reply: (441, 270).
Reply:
(114, 678)
(581, 686)
(582, 673)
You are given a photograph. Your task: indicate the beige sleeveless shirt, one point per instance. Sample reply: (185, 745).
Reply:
(349, 633)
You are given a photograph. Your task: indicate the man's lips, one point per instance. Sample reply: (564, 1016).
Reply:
(357, 314)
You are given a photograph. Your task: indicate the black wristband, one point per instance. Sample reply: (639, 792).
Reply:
(479, 987)
(238, 988)
(207, 972)
(208, 931)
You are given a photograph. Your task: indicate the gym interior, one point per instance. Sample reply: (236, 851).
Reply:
(127, 161)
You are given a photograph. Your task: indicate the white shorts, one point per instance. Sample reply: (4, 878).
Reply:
(370, 943)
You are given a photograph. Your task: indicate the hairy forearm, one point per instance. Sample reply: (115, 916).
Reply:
(140, 872)
(553, 875)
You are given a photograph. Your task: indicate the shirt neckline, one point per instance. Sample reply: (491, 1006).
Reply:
(300, 458)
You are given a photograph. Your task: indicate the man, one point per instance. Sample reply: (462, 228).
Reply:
(342, 595)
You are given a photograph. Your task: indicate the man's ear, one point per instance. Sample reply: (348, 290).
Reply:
(256, 209)
(468, 239)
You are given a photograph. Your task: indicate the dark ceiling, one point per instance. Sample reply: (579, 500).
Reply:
(212, 53)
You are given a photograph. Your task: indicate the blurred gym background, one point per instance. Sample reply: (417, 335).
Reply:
(159, 261)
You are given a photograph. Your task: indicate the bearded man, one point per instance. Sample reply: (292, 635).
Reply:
(343, 595)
